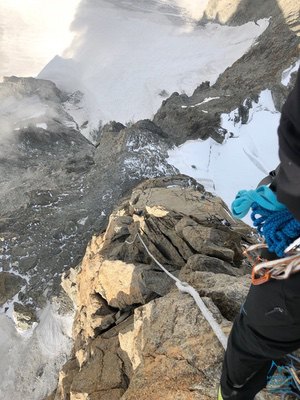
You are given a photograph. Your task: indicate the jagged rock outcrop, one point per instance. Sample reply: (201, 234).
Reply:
(135, 335)
(58, 188)
(24, 316)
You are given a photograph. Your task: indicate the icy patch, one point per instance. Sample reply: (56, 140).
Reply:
(42, 125)
(29, 365)
(286, 75)
(246, 156)
(82, 221)
(202, 102)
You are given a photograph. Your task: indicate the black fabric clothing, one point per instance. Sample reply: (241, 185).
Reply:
(288, 177)
(289, 127)
(267, 328)
(288, 184)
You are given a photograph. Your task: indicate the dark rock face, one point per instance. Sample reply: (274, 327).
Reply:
(27, 87)
(57, 188)
(10, 284)
(182, 117)
(24, 316)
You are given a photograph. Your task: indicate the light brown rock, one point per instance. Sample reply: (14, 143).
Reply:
(167, 350)
(121, 284)
(227, 292)
(172, 348)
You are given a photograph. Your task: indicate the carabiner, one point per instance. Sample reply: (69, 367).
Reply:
(260, 279)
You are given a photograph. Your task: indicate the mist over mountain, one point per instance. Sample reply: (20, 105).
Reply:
(97, 97)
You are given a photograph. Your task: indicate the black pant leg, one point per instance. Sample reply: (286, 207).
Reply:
(267, 329)
(244, 371)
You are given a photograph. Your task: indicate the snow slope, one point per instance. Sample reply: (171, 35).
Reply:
(29, 365)
(286, 75)
(242, 160)
(126, 59)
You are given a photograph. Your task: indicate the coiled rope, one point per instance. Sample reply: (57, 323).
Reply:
(263, 196)
(272, 219)
(279, 228)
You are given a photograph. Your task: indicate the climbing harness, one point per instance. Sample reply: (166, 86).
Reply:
(276, 224)
(284, 377)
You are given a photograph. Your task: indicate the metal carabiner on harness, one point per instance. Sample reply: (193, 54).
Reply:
(260, 279)
(257, 279)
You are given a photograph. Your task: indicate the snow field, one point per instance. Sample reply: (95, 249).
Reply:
(126, 62)
(247, 155)
(29, 363)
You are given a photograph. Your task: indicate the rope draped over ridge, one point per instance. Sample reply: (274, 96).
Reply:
(186, 288)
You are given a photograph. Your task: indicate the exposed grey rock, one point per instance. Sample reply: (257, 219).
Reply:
(113, 126)
(57, 188)
(24, 316)
(227, 292)
(10, 284)
(27, 263)
(182, 117)
(27, 87)
(201, 262)
(214, 242)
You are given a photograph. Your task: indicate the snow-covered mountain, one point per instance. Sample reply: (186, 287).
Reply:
(122, 61)
(127, 57)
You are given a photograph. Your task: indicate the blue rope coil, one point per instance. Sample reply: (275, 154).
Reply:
(271, 218)
(279, 228)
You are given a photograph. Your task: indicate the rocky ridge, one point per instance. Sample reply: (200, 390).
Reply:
(135, 336)
(58, 188)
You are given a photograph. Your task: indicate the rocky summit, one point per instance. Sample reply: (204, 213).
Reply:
(135, 335)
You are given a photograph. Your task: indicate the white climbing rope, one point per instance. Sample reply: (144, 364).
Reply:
(186, 288)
